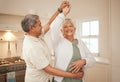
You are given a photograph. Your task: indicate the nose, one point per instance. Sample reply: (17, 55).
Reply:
(69, 27)
(41, 27)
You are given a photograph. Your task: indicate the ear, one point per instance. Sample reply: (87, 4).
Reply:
(75, 28)
(31, 28)
(61, 30)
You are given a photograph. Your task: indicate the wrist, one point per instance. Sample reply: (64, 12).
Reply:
(60, 10)
(64, 13)
(84, 61)
(72, 75)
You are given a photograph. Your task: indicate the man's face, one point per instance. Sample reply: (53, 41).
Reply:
(68, 29)
(37, 28)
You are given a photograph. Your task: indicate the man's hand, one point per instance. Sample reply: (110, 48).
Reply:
(77, 65)
(64, 4)
(58, 72)
(66, 10)
(79, 75)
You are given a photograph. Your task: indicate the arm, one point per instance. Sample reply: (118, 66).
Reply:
(37, 56)
(61, 73)
(90, 60)
(46, 27)
(56, 26)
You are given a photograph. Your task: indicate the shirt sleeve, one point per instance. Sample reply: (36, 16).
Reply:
(90, 60)
(55, 29)
(38, 58)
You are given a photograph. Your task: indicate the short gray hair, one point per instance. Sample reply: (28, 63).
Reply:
(28, 21)
(67, 20)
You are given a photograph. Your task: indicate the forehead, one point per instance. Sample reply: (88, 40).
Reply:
(38, 21)
(68, 23)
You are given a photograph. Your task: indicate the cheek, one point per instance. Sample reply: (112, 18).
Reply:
(38, 30)
(73, 30)
(41, 28)
(65, 29)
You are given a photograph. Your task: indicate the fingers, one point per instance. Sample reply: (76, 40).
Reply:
(66, 10)
(64, 4)
(82, 74)
(72, 66)
(79, 63)
(65, 0)
(79, 75)
(76, 70)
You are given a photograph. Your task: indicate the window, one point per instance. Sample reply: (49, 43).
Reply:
(89, 34)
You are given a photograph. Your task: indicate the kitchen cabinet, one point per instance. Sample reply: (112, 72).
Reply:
(20, 76)
(13, 65)
(2, 77)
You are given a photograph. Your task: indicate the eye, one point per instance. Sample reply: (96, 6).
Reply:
(65, 26)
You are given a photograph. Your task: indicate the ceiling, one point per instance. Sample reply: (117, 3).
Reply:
(45, 8)
(22, 7)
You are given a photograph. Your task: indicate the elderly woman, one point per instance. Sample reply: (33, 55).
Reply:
(71, 54)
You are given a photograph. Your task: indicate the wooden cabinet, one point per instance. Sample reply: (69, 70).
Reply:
(20, 76)
(3, 78)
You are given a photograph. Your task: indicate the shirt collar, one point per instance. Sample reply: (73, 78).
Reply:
(32, 37)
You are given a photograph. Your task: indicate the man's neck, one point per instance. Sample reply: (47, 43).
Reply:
(32, 35)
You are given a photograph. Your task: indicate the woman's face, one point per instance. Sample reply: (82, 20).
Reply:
(68, 29)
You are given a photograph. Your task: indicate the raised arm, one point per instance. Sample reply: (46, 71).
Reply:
(63, 5)
(56, 26)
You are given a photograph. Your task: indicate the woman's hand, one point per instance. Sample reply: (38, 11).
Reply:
(77, 65)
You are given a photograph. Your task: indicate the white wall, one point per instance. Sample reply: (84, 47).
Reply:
(115, 39)
(15, 46)
(10, 22)
(94, 9)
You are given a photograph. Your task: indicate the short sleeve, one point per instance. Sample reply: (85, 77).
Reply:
(38, 58)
